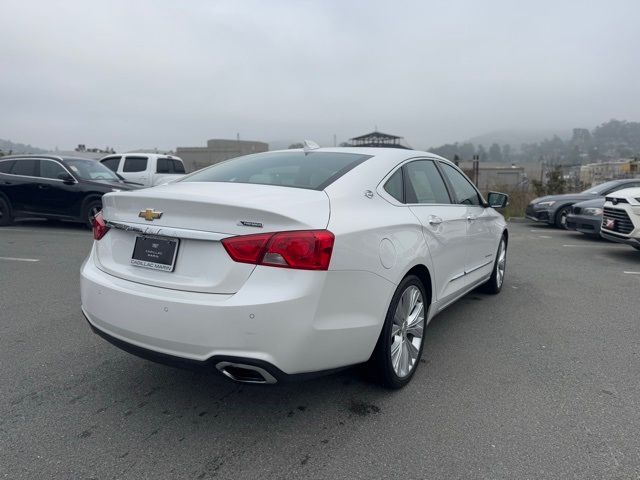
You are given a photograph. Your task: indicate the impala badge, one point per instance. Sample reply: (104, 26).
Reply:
(245, 223)
(150, 214)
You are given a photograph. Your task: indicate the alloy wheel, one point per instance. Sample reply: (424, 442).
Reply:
(502, 264)
(407, 331)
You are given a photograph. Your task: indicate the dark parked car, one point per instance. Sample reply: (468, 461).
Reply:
(54, 187)
(586, 217)
(554, 209)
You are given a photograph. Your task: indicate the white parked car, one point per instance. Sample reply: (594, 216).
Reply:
(621, 217)
(285, 264)
(148, 169)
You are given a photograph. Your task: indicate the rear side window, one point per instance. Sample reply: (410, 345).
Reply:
(424, 184)
(164, 166)
(394, 186)
(5, 167)
(134, 164)
(50, 169)
(25, 167)
(314, 170)
(111, 163)
(463, 189)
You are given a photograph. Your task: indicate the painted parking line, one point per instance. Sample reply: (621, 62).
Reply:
(595, 246)
(632, 273)
(13, 259)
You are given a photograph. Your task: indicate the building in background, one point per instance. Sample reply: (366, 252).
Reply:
(595, 173)
(216, 151)
(378, 139)
(495, 176)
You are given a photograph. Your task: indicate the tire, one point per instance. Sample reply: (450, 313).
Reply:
(91, 208)
(399, 348)
(561, 217)
(496, 281)
(6, 217)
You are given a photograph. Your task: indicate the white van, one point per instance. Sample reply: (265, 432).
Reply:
(148, 169)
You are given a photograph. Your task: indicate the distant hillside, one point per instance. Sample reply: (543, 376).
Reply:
(516, 138)
(7, 146)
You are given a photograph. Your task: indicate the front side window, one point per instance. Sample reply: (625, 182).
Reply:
(424, 184)
(90, 170)
(394, 186)
(134, 164)
(313, 170)
(27, 167)
(50, 169)
(463, 189)
(111, 163)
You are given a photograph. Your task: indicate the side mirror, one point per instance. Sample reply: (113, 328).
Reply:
(498, 200)
(66, 178)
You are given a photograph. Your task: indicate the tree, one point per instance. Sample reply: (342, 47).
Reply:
(495, 153)
(296, 145)
(506, 152)
(556, 183)
(482, 153)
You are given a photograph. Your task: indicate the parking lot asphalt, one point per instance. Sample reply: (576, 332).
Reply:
(541, 381)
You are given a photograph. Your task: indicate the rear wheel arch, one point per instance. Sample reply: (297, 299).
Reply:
(423, 273)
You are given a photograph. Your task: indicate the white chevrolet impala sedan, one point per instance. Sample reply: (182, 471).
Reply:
(288, 264)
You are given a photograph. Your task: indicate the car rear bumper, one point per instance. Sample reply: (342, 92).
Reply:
(294, 321)
(585, 224)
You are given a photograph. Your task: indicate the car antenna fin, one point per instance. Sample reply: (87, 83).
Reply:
(309, 145)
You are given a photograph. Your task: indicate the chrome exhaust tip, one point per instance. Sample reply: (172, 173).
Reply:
(243, 373)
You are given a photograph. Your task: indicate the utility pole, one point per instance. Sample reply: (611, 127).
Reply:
(476, 168)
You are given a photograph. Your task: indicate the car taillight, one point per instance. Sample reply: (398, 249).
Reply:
(304, 250)
(100, 228)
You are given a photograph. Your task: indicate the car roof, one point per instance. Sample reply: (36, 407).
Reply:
(141, 154)
(626, 192)
(46, 157)
(381, 153)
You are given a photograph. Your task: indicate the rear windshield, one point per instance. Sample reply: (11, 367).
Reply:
(314, 170)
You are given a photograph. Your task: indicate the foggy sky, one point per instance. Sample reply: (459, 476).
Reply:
(133, 74)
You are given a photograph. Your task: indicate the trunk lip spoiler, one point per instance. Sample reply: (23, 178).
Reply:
(163, 231)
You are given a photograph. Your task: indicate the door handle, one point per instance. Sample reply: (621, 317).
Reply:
(471, 218)
(433, 220)
(43, 187)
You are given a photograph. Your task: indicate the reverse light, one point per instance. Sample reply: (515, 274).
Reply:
(99, 226)
(303, 250)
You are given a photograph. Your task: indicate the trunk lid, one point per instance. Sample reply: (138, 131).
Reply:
(199, 215)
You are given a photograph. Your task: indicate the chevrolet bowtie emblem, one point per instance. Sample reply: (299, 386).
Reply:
(150, 214)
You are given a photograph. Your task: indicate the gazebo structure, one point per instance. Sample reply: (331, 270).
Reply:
(377, 139)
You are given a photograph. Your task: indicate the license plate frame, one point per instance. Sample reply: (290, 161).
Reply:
(147, 248)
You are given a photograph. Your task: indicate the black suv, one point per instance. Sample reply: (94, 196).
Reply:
(46, 186)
